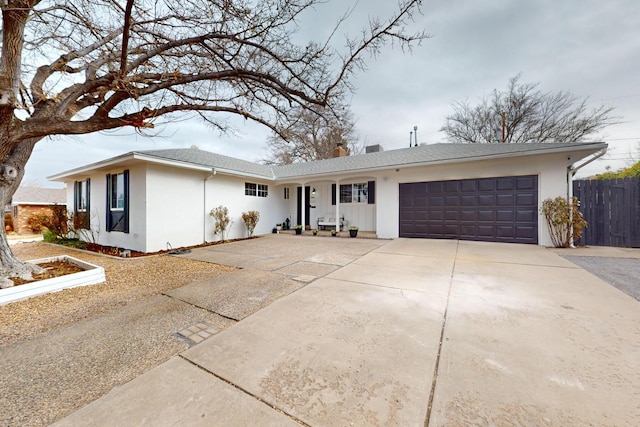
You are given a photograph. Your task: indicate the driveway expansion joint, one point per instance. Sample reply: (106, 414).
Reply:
(200, 307)
(242, 390)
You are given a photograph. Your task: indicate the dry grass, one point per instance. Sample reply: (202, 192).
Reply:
(128, 280)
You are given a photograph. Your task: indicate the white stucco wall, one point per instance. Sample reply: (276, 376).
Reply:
(550, 169)
(228, 191)
(169, 204)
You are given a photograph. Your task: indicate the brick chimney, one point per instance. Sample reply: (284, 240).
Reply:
(339, 151)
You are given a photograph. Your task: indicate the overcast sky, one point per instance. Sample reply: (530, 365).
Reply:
(590, 48)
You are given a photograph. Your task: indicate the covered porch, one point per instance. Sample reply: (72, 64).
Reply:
(336, 204)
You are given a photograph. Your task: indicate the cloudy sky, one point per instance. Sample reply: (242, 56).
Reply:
(590, 48)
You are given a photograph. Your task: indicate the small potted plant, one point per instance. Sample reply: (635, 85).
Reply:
(334, 233)
(353, 231)
(279, 226)
(298, 229)
(315, 231)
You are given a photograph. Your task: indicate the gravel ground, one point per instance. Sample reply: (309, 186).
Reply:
(623, 273)
(63, 350)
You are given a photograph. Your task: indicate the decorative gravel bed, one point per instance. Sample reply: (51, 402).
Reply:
(128, 280)
(62, 350)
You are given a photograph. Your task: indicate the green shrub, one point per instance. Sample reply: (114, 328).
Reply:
(564, 220)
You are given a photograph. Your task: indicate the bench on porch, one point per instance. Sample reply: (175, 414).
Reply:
(329, 221)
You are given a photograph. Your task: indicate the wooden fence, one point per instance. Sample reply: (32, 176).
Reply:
(612, 210)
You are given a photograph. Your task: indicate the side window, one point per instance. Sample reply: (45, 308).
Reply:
(250, 189)
(263, 190)
(118, 202)
(260, 190)
(81, 193)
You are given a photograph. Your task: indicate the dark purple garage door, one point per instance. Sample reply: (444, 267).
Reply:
(502, 209)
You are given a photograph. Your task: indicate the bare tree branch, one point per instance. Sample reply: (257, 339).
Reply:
(529, 116)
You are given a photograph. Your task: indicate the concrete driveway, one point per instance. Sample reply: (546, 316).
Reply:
(402, 332)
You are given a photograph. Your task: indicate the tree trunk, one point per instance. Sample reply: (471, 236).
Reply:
(10, 266)
(11, 173)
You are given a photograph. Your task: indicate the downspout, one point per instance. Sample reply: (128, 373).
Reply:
(204, 205)
(571, 172)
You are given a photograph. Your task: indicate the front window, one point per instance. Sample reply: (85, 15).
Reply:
(81, 204)
(118, 202)
(117, 192)
(354, 193)
(81, 196)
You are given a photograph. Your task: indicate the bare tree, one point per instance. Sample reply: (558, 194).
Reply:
(96, 65)
(313, 136)
(523, 113)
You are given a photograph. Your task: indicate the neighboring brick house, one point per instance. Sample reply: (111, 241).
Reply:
(28, 201)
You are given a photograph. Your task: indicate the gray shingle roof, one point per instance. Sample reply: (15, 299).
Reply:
(205, 158)
(39, 196)
(415, 156)
(424, 154)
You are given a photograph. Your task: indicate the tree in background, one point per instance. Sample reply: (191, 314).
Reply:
(630, 172)
(523, 113)
(313, 136)
(93, 65)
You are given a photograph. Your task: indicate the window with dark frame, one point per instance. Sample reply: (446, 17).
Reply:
(118, 202)
(263, 190)
(354, 193)
(250, 189)
(286, 193)
(260, 190)
(81, 191)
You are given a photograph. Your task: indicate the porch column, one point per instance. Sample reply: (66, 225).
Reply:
(303, 205)
(337, 205)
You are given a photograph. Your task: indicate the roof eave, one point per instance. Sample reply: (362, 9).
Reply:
(594, 147)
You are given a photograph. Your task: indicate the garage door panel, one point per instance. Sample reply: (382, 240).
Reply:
(526, 232)
(468, 200)
(526, 183)
(486, 231)
(526, 199)
(469, 215)
(468, 186)
(486, 216)
(506, 216)
(436, 187)
(486, 184)
(450, 186)
(505, 199)
(450, 201)
(451, 216)
(525, 215)
(500, 209)
(505, 183)
(486, 200)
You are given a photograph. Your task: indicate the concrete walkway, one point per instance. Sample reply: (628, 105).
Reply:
(404, 332)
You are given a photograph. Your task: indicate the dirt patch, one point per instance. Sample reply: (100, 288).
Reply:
(51, 269)
(129, 253)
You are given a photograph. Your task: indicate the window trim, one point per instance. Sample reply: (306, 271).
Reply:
(256, 190)
(119, 214)
(250, 189)
(82, 213)
(263, 190)
(358, 193)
